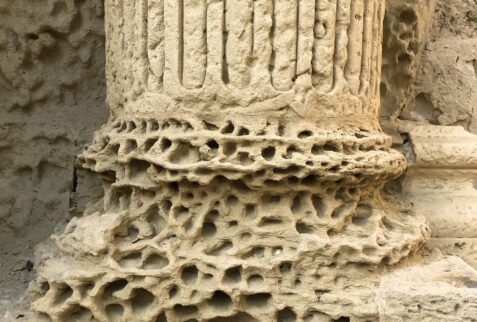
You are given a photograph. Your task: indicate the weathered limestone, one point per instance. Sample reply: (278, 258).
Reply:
(241, 166)
(437, 290)
(441, 183)
(429, 63)
(406, 31)
(444, 91)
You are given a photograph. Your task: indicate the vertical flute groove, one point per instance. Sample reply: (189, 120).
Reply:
(141, 18)
(367, 34)
(225, 67)
(336, 44)
(373, 68)
(324, 45)
(379, 51)
(297, 38)
(180, 59)
(155, 44)
(355, 47)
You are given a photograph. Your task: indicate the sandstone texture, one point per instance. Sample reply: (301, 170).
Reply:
(242, 167)
(437, 290)
(429, 62)
(441, 182)
(242, 162)
(242, 181)
(445, 91)
(407, 24)
(51, 100)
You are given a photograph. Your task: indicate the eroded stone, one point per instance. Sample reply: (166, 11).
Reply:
(242, 167)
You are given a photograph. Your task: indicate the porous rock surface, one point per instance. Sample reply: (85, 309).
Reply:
(429, 63)
(445, 91)
(241, 168)
(407, 24)
(145, 159)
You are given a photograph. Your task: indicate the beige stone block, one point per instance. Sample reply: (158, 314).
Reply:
(466, 248)
(442, 290)
(446, 197)
(441, 179)
(443, 147)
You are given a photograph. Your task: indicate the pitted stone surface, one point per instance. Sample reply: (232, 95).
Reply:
(200, 150)
(224, 249)
(242, 167)
(296, 124)
(407, 25)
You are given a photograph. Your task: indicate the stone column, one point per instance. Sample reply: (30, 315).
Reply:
(242, 165)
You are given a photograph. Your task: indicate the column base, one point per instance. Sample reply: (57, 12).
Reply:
(227, 252)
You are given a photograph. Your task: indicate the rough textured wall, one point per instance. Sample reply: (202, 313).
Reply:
(406, 29)
(429, 77)
(51, 100)
(446, 84)
(430, 81)
(235, 190)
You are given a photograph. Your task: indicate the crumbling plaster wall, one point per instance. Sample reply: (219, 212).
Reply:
(52, 98)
